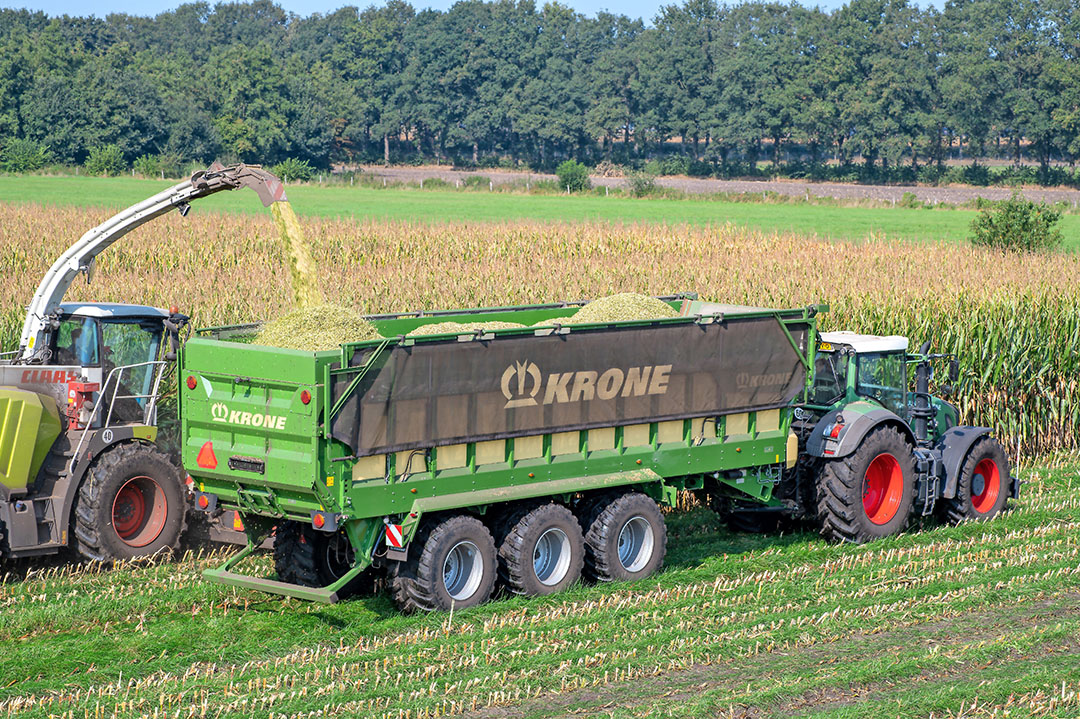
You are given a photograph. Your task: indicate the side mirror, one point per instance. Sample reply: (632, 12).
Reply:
(954, 370)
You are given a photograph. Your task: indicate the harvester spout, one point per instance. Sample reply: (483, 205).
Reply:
(80, 256)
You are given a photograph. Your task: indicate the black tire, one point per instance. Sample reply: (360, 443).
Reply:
(305, 556)
(982, 489)
(881, 469)
(625, 539)
(543, 552)
(130, 504)
(451, 564)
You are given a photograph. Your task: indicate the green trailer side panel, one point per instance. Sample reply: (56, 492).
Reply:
(29, 424)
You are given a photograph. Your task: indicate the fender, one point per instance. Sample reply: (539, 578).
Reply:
(954, 446)
(860, 418)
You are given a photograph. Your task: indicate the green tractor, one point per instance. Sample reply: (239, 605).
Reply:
(875, 455)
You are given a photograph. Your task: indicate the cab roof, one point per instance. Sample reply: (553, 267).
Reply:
(101, 310)
(866, 343)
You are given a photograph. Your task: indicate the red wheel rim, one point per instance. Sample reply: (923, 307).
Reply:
(883, 488)
(138, 511)
(985, 486)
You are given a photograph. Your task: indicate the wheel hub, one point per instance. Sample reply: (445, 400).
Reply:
(635, 544)
(462, 571)
(985, 486)
(882, 488)
(139, 510)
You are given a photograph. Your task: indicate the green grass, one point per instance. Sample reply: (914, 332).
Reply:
(826, 220)
(916, 625)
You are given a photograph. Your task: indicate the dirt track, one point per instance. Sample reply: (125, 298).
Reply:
(884, 193)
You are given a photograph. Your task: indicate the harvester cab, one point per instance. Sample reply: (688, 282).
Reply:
(79, 461)
(883, 452)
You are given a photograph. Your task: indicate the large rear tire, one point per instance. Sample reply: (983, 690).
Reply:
(868, 494)
(130, 504)
(311, 558)
(451, 564)
(625, 539)
(543, 552)
(982, 488)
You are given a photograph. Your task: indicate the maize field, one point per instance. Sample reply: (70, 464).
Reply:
(971, 620)
(1014, 320)
(975, 620)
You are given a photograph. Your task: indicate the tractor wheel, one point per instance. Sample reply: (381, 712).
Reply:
(130, 504)
(868, 494)
(983, 486)
(543, 552)
(625, 539)
(451, 564)
(311, 558)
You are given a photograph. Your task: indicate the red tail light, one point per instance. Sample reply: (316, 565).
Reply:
(203, 501)
(318, 521)
(207, 459)
(305, 397)
(191, 382)
(835, 431)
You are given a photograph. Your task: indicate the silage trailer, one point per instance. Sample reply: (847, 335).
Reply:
(530, 457)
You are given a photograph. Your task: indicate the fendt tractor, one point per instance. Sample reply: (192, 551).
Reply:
(447, 465)
(79, 399)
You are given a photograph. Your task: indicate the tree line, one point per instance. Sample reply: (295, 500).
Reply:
(880, 83)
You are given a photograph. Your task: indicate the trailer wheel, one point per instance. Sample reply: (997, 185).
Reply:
(543, 552)
(451, 564)
(625, 539)
(868, 494)
(131, 504)
(983, 486)
(310, 558)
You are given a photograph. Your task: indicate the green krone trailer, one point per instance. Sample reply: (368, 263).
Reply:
(447, 465)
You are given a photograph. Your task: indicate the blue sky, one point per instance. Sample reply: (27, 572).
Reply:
(634, 8)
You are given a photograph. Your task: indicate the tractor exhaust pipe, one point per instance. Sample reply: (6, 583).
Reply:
(921, 412)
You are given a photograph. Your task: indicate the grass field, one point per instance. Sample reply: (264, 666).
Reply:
(477, 206)
(948, 621)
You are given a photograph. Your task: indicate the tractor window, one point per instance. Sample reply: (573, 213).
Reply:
(830, 378)
(882, 376)
(129, 343)
(77, 342)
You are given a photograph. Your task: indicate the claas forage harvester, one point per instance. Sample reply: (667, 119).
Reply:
(447, 464)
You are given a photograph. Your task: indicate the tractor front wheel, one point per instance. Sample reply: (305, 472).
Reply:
(131, 504)
(868, 494)
(983, 486)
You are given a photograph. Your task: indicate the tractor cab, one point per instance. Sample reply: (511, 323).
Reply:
(119, 349)
(852, 367)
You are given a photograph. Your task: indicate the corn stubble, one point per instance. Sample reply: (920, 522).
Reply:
(1013, 320)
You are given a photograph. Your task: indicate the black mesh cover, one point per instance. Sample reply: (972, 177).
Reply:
(437, 393)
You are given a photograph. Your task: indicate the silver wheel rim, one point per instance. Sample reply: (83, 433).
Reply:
(462, 571)
(551, 557)
(635, 544)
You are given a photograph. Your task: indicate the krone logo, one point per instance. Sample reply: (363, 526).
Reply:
(523, 385)
(219, 412)
(525, 388)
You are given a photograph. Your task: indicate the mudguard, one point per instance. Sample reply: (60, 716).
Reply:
(860, 418)
(954, 446)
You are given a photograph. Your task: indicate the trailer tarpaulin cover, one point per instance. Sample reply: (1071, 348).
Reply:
(445, 392)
